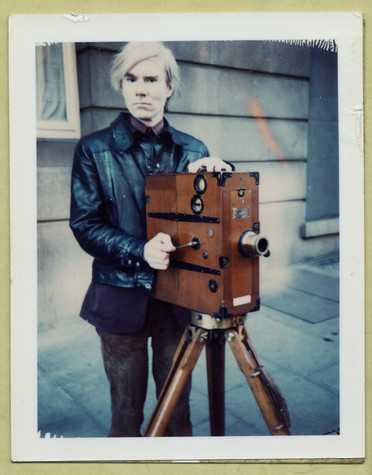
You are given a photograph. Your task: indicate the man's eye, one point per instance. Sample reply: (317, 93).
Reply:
(152, 79)
(129, 79)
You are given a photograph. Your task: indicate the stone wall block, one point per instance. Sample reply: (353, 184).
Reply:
(64, 273)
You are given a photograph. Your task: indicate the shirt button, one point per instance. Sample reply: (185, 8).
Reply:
(130, 261)
(149, 167)
(148, 286)
(138, 264)
(158, 165)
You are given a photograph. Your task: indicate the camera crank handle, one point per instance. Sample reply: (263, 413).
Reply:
(195, 243)
(189, 244)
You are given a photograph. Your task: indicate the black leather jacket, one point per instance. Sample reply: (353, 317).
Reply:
(108, 210)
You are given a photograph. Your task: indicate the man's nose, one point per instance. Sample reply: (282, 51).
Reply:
(141, 89)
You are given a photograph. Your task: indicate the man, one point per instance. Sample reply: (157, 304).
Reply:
(108, 218)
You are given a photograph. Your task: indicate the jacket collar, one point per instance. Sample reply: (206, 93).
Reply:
(122, 131)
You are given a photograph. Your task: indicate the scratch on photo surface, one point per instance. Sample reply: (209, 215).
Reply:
(359, 111)
(76, 17)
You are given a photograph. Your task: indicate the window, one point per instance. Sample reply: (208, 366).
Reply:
(57, 100)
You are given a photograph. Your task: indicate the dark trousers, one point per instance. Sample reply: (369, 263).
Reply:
(125, 359)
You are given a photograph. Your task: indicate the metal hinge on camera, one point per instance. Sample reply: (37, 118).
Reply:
(184, 217)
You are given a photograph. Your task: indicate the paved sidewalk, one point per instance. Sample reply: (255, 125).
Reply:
(296, 335)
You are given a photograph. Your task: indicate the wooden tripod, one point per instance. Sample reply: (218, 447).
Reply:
(205, 330)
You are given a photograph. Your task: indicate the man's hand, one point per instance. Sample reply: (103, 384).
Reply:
(209, 164)
(156, 251)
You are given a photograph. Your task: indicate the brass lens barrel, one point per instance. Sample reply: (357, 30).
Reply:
(252, 244)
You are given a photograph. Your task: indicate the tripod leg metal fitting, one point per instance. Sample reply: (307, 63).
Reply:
(230, 336)
(254, 375)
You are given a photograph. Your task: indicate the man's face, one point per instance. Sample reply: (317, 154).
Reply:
(145, 90)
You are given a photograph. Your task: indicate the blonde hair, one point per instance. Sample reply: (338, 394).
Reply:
(135, 52)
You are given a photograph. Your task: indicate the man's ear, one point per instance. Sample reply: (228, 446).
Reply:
(170, 90)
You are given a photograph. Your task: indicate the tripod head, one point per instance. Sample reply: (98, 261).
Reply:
(213, 221)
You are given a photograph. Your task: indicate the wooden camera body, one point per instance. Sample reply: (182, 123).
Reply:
(213, 218)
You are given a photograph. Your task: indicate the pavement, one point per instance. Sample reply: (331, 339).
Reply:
(296, 336)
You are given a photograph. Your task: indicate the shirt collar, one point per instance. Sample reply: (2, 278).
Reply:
(123, 132)
(141, 127)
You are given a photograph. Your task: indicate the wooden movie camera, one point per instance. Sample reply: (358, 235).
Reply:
(213, 221)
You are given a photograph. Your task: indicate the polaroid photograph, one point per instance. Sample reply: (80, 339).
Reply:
(187, 236)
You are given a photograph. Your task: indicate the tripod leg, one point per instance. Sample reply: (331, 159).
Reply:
(184, 361)
(216, 382)
(269, 398)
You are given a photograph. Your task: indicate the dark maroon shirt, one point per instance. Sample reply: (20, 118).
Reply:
(141, 127)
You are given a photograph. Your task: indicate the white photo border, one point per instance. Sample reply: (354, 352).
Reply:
(27, 30)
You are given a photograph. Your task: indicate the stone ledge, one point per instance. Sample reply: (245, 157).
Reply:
(322, 227)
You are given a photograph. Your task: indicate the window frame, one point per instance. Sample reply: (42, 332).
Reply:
(70, 128)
